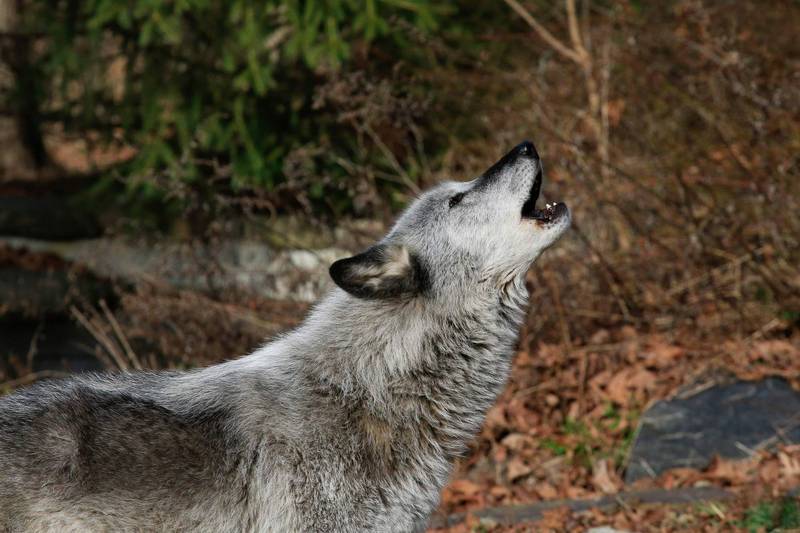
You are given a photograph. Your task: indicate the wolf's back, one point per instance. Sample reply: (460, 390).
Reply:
(77, 445)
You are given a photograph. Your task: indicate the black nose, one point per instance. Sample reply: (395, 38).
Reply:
(527, 149)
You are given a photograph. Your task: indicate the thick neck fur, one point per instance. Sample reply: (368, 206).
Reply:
(422, 372)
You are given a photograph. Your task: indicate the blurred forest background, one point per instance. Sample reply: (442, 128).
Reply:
(140, 139)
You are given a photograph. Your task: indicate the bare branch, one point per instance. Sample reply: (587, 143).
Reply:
(546, 36)
(574, 31)
(520, 514)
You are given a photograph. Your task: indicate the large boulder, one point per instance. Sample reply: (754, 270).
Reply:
(730, 420)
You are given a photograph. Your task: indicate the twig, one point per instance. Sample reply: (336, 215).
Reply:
(33, 347)
(101, 337)
(387, 153)
(763, 330)
(612, 278)
(121, 336)
(738, 261)
(546, 36)
(31, 377)
(574, 32)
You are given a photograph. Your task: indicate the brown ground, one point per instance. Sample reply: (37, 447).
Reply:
(549, 437)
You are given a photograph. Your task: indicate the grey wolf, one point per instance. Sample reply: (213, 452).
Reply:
(349, 423)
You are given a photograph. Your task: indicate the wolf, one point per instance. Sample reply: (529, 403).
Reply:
(349, 423)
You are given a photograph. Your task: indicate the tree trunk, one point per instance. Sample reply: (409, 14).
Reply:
(23, 157)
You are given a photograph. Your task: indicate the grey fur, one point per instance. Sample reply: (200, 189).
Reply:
(349, 423)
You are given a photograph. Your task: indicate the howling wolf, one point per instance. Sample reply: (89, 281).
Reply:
(349, 423)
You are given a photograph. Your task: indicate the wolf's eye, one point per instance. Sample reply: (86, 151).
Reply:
(454, 200)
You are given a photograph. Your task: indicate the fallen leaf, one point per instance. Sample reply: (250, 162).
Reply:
(465, 487)
(518, 442)
(662, 355)
(499, 492)
(546, 491)
(730, 471)
(628, 381)
(791, 465)
(500, 453)
(520, 417)
(601, 336)
(496, 419)
(461, 492)
(602, 479)
(517, 469)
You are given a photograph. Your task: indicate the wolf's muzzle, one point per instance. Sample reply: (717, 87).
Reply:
(525, 149)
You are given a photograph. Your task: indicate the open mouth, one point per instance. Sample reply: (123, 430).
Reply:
(550, 213)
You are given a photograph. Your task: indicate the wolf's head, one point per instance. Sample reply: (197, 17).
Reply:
(461, 238)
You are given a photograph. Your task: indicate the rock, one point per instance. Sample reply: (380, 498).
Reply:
(304, 260)
(728, 420)
(253, 267)
(605, 529)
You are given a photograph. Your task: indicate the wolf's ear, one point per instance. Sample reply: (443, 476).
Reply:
(383, 271)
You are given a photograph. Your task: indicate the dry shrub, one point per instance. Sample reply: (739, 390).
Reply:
(180, 328)
(691, 219)
(684, 262)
